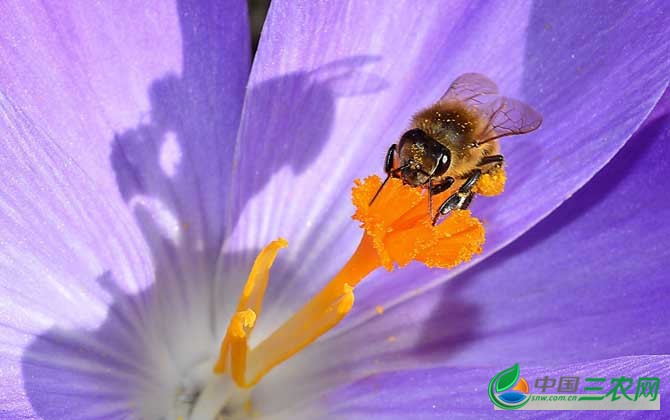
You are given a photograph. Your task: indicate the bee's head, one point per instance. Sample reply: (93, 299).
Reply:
(421, 157)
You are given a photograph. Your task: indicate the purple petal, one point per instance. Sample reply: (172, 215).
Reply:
(144, 97)
(112, 115)
(333, 86)
(462, 392)
(67, 252)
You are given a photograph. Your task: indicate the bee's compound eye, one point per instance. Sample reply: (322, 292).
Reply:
(413, 136)
(443, 161)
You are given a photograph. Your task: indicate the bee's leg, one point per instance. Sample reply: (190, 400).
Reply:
(486, 160)
(443, 186)
(449, 204)
(470, 182)
(460, 199)
(436, 189)
(467, 201)
(388, 168)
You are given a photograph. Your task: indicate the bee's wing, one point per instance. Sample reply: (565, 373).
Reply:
(506, 116)
(469, 87)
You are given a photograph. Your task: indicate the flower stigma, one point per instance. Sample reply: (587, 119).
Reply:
(397, 230)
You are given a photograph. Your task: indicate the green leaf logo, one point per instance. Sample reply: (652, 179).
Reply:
(507, 378)
(503, 381)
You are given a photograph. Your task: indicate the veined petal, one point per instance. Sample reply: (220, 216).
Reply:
(594, 72)
(68, 253)
(462, 392)
(145, 98)
(114, 117)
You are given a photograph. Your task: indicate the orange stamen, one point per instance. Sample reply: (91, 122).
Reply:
(248, 308)
(397, 230)
(402, 230)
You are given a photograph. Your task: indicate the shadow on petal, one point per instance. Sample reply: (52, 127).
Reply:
(179, 158)
(173, 170)
(88, 374)
(451, 327)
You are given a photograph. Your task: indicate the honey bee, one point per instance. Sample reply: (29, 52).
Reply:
(456, 140)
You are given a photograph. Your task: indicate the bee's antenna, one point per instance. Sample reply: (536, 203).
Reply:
(380, 189)
(388, 175)
(430, 196)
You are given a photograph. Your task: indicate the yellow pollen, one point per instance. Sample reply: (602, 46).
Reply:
(243, 321)
(379, 309)
(397, 229)
(492, 183)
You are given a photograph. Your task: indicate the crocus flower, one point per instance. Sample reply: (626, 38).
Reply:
(144, 168)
